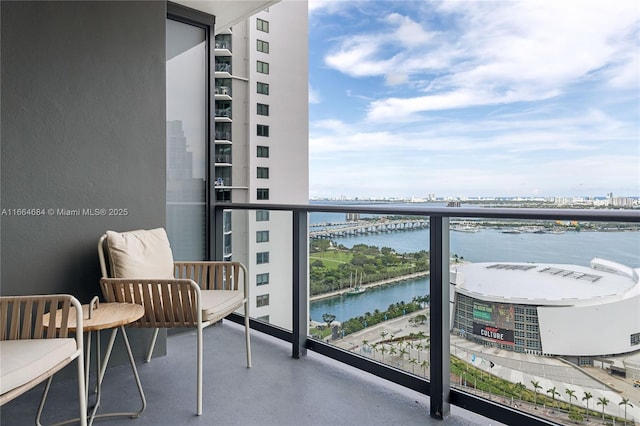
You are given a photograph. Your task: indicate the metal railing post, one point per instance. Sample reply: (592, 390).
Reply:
(439, 321)
(300, 286)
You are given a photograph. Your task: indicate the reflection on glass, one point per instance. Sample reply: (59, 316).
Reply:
(186, 140)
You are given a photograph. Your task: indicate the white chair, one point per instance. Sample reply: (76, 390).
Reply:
(32, 351)
(138, 267)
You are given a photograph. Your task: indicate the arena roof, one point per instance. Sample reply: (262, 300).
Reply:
(545, 284)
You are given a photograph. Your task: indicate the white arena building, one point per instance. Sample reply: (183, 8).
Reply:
(583, 313)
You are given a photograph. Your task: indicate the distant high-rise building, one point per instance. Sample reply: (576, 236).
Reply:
(261, 145)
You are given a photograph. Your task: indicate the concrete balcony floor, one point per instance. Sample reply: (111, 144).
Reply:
(277, 390)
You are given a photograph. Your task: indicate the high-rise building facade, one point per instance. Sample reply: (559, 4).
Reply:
(261, 146)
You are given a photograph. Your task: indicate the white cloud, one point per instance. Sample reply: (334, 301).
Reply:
(316, 7)
(498, 52)
(579, 61)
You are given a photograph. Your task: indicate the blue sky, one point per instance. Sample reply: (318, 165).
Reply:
(474, 98)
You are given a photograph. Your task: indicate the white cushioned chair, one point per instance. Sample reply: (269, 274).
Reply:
(138, 267)
(32, 351)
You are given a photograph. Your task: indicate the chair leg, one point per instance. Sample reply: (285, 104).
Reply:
(152, 344)
(82, 401)
(82, 390)
(199, 379)
(246, 333)
(44, 398)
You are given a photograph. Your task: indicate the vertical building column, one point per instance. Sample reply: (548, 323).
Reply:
(440, 317)
(216, 247)
(300, 318)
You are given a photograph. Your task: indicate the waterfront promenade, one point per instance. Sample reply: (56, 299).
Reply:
(370, 285)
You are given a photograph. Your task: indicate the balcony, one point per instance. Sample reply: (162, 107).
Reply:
(223, 136)
(223, 112)
(298, 378)
(223, 93)
(277, 390)
(223, 159)
(223, 68)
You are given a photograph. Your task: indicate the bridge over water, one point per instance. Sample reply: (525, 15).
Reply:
(349, 229)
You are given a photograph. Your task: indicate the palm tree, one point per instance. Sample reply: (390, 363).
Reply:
(383, 349)
(625, 402)
(424, 364)
(413, 363)
(587, 396)
(520, 387)
(536, 386)
(603, 401)
(418, 348)
(572, 394)
(553, 392)
(403, 352)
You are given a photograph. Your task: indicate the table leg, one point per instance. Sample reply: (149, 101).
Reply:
(98, 381)
(100, 372)
(101, 365)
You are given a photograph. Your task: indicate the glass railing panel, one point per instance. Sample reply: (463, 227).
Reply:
(545, 314)
(369, 286)
(262, 240)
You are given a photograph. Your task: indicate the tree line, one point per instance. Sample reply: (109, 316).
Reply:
(335, 267)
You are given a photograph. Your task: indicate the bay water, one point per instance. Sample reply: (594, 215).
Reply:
(486, 245)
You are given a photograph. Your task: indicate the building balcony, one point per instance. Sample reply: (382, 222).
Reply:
(222, 182)
(223, 93)
(223, 112)
(223, 48)
(222, 136)
(223, 67)
(223, 159)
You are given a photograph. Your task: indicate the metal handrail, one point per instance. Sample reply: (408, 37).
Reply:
(598, 215)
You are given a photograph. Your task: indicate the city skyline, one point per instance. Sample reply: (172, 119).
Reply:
(473, 99)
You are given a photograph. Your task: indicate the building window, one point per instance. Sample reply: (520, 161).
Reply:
(263, 130)
(262, 215)
(262, 25)
(262, 236)
(262, 300)
(263, 193)
(263, 88)
(262, 67)
(262, 257)
(263, 151)
(262, 279)
(263, 173)
(635, 339)
(263, 46)
(263, 109)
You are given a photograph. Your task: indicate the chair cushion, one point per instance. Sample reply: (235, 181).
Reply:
(140, 254)
(22, 361)
(217, 304)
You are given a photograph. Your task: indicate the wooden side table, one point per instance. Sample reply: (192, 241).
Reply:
(105, 316)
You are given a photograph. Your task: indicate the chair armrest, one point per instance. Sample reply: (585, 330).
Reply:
(23, 317)
(167, 303)
(24, 329)
(214, 275)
